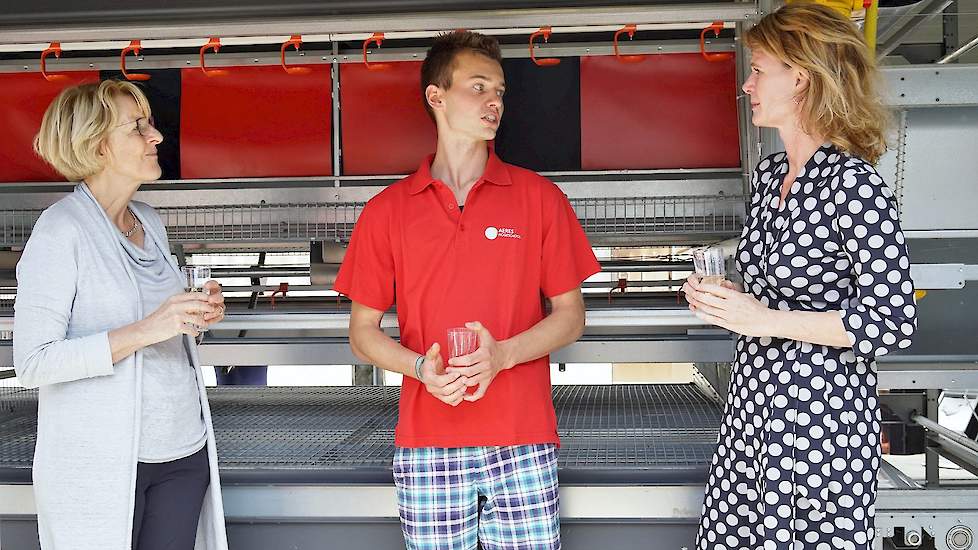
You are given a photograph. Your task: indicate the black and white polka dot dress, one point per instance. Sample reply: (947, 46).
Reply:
(799, 450)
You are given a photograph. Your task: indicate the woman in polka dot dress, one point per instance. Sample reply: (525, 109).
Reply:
(826, 291)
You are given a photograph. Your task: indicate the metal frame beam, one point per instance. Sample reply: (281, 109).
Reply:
(909, 23)
(693, 14)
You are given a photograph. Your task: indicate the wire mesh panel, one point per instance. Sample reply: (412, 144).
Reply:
(603, 219)
(625, 427)
(18, 427)
(262, 222)
(15, 226)
(657, 215)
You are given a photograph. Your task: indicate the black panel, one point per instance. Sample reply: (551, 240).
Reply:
(163, 92)
(541, 127)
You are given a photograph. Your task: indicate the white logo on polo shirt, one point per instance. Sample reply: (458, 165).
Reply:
(502, 232)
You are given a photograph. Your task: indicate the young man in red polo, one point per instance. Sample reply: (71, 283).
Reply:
(470, 240)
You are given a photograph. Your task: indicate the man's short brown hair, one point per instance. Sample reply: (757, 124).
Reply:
(439, 63)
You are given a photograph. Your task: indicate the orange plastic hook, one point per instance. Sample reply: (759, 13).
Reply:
(545, 61)
(213, 44)
(283, 289)
(621, 286)
(375, 38)
(295, 40)
(134, 47)
(716, 27)
(53, 48)
(630, 29)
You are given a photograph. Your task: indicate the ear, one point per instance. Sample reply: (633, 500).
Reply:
(102, 151)
(435, 97)
(801, 80)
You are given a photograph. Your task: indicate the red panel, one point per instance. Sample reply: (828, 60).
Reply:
(385, 127)
(256, 122)
(23, 99)
(668, 111)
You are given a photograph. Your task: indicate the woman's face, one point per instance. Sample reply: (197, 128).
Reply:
(773, 88)
(130, 147)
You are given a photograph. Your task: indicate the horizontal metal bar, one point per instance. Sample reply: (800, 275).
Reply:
(315, 39)
(695, 14)
(942, 276)
(202, 193)
(605, 318)
(671, 502)
(931, 85)
(163, 60)
(318, 351)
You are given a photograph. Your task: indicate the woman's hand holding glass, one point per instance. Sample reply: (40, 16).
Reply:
(728, 306)
(215, 296)
(180, 314)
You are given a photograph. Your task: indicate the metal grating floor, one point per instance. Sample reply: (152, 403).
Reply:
(657, 432)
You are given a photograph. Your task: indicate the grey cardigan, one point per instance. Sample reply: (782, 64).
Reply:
(73, 287)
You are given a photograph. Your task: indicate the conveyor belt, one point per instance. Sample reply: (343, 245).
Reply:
(628, 434)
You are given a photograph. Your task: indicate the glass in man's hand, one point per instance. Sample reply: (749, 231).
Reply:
(462, 341)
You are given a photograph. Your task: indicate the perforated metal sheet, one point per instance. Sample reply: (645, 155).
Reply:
(618, 428)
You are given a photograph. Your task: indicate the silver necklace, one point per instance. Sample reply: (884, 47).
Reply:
(135, 225)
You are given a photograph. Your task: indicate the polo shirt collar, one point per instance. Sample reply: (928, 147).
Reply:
(495, 173)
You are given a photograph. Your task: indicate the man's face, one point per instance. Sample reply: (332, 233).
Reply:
(472, 106)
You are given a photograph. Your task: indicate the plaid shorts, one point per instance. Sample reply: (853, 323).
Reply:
(502, 497)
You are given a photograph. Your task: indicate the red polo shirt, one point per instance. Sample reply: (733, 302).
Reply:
(517, 240)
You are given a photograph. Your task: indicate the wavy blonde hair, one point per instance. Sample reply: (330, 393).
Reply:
(842, 101)
(75, 125)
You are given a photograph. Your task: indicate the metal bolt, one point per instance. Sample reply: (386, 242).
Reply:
(912, 538)
(960, 537)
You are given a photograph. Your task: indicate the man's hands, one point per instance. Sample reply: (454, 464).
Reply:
(480, 367)
(448, 387)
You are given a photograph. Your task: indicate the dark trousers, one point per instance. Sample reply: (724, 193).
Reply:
(242, 376)
(169, 496)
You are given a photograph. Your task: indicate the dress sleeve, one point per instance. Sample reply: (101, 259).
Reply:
(881, 316)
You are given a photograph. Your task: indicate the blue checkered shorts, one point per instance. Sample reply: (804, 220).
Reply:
(502, 497)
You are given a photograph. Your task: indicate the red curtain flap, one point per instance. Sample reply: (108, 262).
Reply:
(386, 129)
(23, 99)
(668, 111)
(256, 122)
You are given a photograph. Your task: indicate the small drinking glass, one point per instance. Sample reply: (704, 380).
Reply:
(708, 262)
(462, 341)
(194, 278)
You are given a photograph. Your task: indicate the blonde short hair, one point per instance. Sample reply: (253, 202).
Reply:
(842, 102)
(76, 123)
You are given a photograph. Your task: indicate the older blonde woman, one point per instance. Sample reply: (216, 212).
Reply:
(827, 290)
(125, 452)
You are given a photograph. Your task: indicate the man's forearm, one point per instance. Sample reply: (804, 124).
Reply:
(560, 328)
(379, 349)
